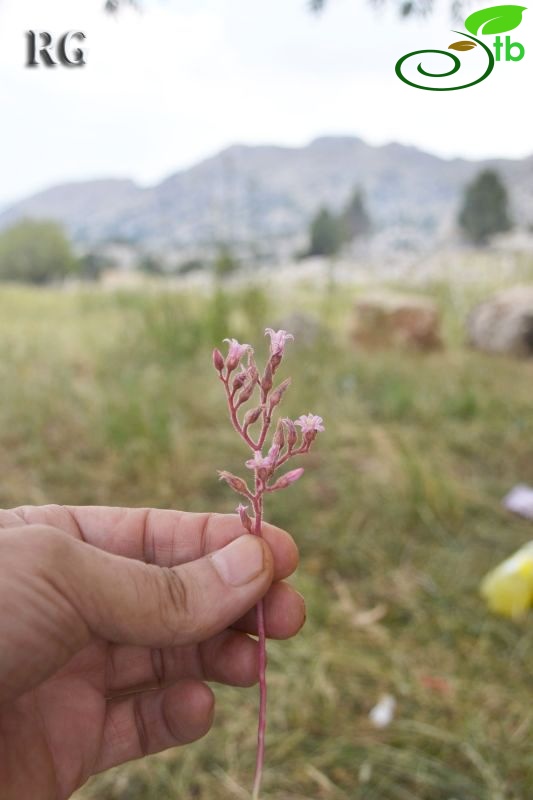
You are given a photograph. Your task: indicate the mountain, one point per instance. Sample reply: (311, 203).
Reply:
(266, 192)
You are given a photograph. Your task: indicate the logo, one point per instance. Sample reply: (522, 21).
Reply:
(42, 50)
(486, 22)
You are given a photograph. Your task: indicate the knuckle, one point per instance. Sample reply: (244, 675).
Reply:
(176, 602)
(44, 547)
(53, 544)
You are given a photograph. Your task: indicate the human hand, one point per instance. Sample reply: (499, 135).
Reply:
(110, 622)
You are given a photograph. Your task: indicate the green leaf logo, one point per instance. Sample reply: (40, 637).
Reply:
(497, 19)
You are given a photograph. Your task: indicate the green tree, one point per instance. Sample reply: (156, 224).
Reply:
(35, 252)
(355, 218)
(225, 263)
(151, 265)
(484, 211)
(91, 265)
(325, 234)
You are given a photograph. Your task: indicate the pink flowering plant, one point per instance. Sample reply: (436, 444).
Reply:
(252, 401)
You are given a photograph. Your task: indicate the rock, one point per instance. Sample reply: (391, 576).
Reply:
(387, 319)
(503, 323)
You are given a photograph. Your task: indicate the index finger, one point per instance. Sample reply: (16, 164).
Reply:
(168, 538)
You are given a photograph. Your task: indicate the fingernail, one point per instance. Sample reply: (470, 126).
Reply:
(240, 562)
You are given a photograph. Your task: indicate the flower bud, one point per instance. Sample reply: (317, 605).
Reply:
(275, 361)
(287, 479)
(279, 436)
(238, 380)
(237, 484)
(263, 474)
(246, 394)
(246, 520)
(252, 416)
(309, 437)
(275, 399)
(218, 360)
(292, 436)
(266, 382)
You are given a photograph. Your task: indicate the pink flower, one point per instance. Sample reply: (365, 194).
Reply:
(273, 454)
(235, 352)
(277, 341)
(261, 462)
(310, 423)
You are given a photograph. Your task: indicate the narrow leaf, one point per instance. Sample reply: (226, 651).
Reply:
(463, 45)
(497, 19)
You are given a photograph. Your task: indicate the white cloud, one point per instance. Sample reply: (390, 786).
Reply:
(169, 86)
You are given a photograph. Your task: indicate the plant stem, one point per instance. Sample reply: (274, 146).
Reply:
(234, 418)
(261, 728)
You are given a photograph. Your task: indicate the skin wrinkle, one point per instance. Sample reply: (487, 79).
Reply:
(158, 666)
(166, 722)
(75, 522)
(8, 519)
(81, 634)
(19, 755)
(205, 530)
(46, 736)
(111, 676)
(80, 629)
(140, 725)
(111, 733)
(146, 538)
(174, 594)
(200, 664)
(21, 514)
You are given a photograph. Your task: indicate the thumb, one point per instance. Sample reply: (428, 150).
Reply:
(127, 601)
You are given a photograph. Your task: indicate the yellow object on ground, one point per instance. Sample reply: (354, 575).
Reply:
(508, 589)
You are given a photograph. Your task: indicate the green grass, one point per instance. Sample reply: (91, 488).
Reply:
(111, 399)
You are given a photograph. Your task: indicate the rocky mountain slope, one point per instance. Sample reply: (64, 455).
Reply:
(255, 192)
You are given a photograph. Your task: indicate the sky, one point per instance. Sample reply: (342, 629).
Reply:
(167, 87)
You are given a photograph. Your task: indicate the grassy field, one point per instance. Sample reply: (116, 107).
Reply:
(111, 399)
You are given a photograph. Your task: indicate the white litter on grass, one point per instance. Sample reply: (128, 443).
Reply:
(383, 712)
(520, 501)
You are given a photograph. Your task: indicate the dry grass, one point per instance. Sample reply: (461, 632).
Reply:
(110, 399)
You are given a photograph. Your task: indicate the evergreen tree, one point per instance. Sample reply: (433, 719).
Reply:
(326, 234)
(355, 218)
(484, 211)
(225, 263)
